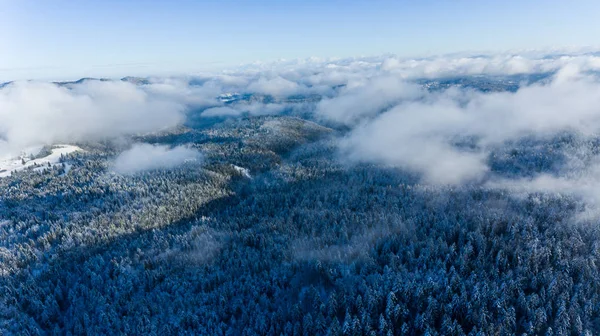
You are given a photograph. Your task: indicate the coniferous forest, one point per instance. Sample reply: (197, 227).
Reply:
(279, 227)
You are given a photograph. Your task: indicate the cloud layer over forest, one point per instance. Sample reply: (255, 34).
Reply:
(420, 133)
(41, 113)
(389, 116)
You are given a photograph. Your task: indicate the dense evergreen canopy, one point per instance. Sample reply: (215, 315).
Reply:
(273, 234)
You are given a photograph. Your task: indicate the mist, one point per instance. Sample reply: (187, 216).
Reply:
(388, 116)
(144, 157)
(421, 134)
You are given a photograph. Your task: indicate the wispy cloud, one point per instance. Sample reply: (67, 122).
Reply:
(420, 134)
(143, 157)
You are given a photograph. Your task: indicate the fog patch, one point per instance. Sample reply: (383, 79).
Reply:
(200, 245)
(355, 249)
(367, 99)
(239, 109)
(276, 86)
(144, 157)
(420, 135)
(35, 114)
(221, 111)
(583, 184)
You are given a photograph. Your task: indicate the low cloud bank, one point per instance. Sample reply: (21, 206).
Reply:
(43, 114)
(253, 109)
(314, 72)
(144, 157)
(582, 182)
(444, 134)
(421, 133)
(367, 99)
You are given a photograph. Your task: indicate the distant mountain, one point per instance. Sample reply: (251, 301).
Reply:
(136, 80)
(484, 83)
(235, 97)
(82, 80)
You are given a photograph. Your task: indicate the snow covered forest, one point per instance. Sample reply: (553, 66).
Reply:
(375, 196)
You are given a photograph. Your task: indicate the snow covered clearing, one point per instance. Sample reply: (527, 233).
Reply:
(30, 158)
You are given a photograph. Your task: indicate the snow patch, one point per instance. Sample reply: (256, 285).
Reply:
(243, 171)
(229, 97)
(25, 160)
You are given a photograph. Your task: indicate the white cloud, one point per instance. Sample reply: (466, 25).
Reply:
(584, 184)
(367, 98)
(418, 134)
(277, 86)
(416, 137)
(391, 119)
(40, 113)
(143, 157)
(317, 71)
(254, 109)
(257, 109)
(179, 90)
(221, 111)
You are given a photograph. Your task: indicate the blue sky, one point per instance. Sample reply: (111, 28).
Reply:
(68, 39)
